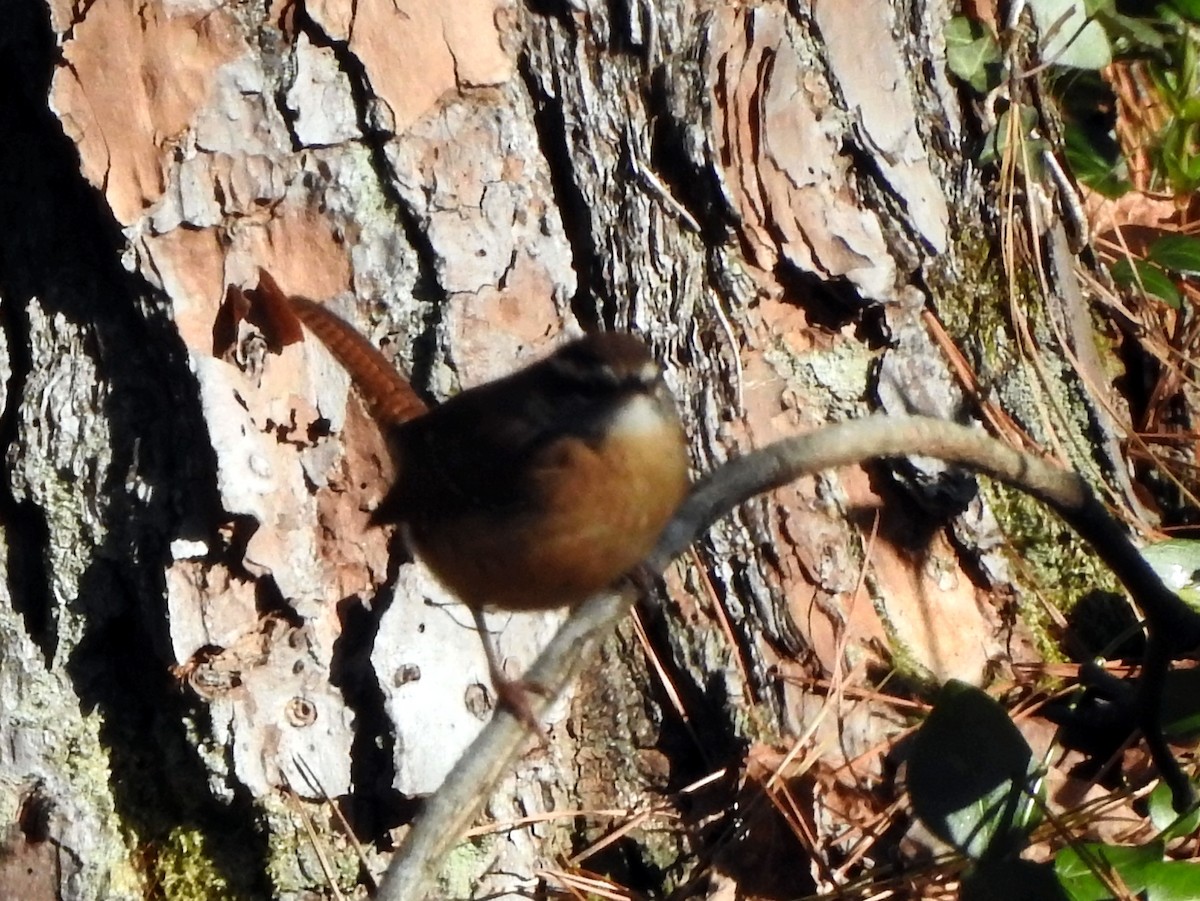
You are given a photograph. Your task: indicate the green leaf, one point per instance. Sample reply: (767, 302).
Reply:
(1162, 814)
(1140, 869)
(972, 53)
(1077, 867)
(1152, 279)
(1026, 145)
(1178, 253)
(1189, 9)
(1068, 37)
(1177, 562)
(1190, 109)
(1135, 31)
(1027, 151)
(1099, 171)
(970, 774)
(1176, 143)
(1173, 880)
(1167, 82)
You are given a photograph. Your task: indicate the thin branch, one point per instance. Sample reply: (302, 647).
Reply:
(1171, 624)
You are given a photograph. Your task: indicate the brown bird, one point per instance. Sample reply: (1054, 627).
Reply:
(534, 491)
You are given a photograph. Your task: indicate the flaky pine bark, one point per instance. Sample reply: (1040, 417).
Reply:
(202, 640)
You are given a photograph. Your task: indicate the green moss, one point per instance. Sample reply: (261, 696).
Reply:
(834, 376)
(1049, 560)
(294, 864)
(355, 191)
(464, 864)
(73, 750)
(907, 670)
(179, 870)
(971, 302)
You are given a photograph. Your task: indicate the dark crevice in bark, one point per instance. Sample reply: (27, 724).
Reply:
(940, 495)
(550, 123)
(1103, 624)
(754, 844)
(733, 828)
(428, 288)
(270, 602)
(559, 10)
(624, 862)
(26, 532)
(831, 304)
(907, 245)
(373, 806)
(622, 16)
(692, 182)
(708, 739)
(60, 249)
(761, 607)
(1142, 378)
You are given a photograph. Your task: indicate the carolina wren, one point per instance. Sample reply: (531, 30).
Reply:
(533, 491)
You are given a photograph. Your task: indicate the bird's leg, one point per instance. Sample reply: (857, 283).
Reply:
(510, 693)
(645, 579)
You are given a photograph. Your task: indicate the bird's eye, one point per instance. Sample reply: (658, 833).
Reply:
(603, 364)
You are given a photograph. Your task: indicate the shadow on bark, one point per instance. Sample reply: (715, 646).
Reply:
(373, 806)
(61, 249)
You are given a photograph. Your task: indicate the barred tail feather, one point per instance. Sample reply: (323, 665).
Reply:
(388, 394)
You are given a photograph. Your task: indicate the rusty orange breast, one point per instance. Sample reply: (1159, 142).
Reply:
(596, 509)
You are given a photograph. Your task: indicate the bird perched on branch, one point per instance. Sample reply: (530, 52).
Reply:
(531, 492)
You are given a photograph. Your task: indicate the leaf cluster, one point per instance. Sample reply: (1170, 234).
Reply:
(974, 783)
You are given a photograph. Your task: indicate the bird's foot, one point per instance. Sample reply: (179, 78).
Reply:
(513, 696)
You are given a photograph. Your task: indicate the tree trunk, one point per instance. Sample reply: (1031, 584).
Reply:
(203, 643)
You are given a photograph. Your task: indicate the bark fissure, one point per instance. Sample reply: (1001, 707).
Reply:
(427, 288)
(550, 124)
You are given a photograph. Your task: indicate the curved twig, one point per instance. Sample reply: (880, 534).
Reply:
(1171, 624)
